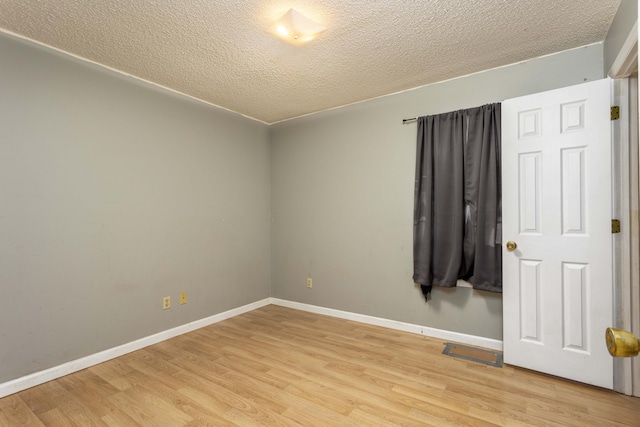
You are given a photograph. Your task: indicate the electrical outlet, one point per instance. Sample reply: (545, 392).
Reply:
(309, 282)
(166, 303)
(183, 298)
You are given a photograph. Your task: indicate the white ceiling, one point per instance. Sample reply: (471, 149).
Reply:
(220, 51)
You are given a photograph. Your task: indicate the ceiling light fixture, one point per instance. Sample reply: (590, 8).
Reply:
(296, 28)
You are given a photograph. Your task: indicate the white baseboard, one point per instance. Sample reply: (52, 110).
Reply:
(489, 343)
(42, 377)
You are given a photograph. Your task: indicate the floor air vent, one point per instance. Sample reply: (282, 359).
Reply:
(473, 354)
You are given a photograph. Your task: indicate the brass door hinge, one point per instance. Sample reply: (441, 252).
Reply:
(615, 112)
(615, 226)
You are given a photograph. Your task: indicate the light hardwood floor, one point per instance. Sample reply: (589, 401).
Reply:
(278, 366)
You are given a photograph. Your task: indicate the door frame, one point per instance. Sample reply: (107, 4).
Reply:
(625, 248)
(626, 207)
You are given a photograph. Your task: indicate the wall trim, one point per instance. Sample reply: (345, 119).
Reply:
(626, 61)
(41, 377)
(458, 337)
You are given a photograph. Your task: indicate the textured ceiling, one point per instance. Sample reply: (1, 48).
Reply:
(219, 51)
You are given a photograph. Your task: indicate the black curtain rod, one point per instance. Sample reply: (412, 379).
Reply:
(414, 119)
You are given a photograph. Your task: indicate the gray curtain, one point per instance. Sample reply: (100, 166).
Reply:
(457, 204)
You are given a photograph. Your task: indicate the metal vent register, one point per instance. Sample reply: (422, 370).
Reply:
(473, 354)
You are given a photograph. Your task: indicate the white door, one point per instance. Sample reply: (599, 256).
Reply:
(556, 191)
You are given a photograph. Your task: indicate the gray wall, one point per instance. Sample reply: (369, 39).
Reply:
(622, 24)
(114, 194)
(342, 197)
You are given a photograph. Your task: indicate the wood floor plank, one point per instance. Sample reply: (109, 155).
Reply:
(44, 397)
(118, 418)
(362, 417)
(4, 421)
(233, 395)
(90, 391)
(282, 367)
(17, 413)
(56, 417)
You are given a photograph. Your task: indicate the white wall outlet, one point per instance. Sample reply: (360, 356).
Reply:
(166, 303)
(183, 298)
(309, 282)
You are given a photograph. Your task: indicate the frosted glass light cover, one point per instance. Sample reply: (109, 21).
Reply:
(296, 28)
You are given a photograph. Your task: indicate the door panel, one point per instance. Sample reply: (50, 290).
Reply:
(556, 183)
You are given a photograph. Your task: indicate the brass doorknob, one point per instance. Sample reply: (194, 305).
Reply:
(511, 246)
(622, 343)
